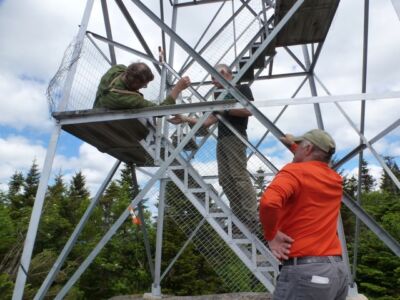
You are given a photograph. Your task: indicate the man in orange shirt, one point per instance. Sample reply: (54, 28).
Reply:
(299, 212)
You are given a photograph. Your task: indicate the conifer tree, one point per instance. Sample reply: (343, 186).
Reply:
(77, 198)
(350, 185)
(126, 179)
(379, 267)
(54, 227)
(7, 232)
(367, 181)
(77, 188)
(3, 199)
(122, 266)
(15, 188)
(107, 201)
(387, 183)
(185, 277)
(31, 184)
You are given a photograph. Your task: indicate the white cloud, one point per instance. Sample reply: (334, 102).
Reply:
(34, 34)
(18, 153)
(23, 104)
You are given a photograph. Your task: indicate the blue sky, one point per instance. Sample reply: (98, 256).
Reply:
(35, 33)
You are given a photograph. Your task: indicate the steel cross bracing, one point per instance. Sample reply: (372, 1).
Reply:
(203, 206)
(210, 109)
(229, 85)
(252, 44)
(243, 252)
(264, 45)
(359, 212)
(139, 197)
(248, 249)
(222, 212)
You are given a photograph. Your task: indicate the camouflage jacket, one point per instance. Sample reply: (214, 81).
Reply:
(112, 93)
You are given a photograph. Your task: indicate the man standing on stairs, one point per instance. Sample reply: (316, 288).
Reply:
(119, 87)
(231, 154)
(299, 212)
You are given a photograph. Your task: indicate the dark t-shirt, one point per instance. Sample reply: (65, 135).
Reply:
(240, 123)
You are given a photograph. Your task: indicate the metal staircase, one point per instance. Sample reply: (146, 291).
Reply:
(203, 197)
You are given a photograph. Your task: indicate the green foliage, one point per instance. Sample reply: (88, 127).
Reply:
(6, 286)
(350, 185)
(367, 181)
(387, 183)
(76, 197)
(191, 274)
(122, 266)
(31, 184)
(7, 230)
(14, 196)
(378, 268)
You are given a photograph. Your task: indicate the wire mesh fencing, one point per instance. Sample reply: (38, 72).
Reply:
(90, 63)
(218, 156)
(231, 171)
(235, 275)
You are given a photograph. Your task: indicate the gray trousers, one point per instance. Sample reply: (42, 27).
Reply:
(235, 180)
(316, 281)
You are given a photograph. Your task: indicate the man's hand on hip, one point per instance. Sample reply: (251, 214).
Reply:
(280, 245)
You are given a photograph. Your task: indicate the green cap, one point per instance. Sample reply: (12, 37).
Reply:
(319, 138)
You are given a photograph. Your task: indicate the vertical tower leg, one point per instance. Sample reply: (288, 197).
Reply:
(142, 221)
(156, 288)
(35, 216)
(352, 285)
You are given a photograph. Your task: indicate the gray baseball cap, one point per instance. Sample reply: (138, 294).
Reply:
(319, 138)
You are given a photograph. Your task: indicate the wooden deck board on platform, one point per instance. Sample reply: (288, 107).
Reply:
(118, 132)
(310, 24)
(119, 139)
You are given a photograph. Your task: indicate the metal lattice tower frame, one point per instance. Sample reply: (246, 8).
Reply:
(253, 60)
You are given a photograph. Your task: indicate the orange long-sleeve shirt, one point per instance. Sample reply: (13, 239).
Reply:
(303, 201)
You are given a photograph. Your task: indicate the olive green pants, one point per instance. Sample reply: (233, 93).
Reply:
(235, 180)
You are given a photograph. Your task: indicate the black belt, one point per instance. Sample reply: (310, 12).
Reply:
(310, 260)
